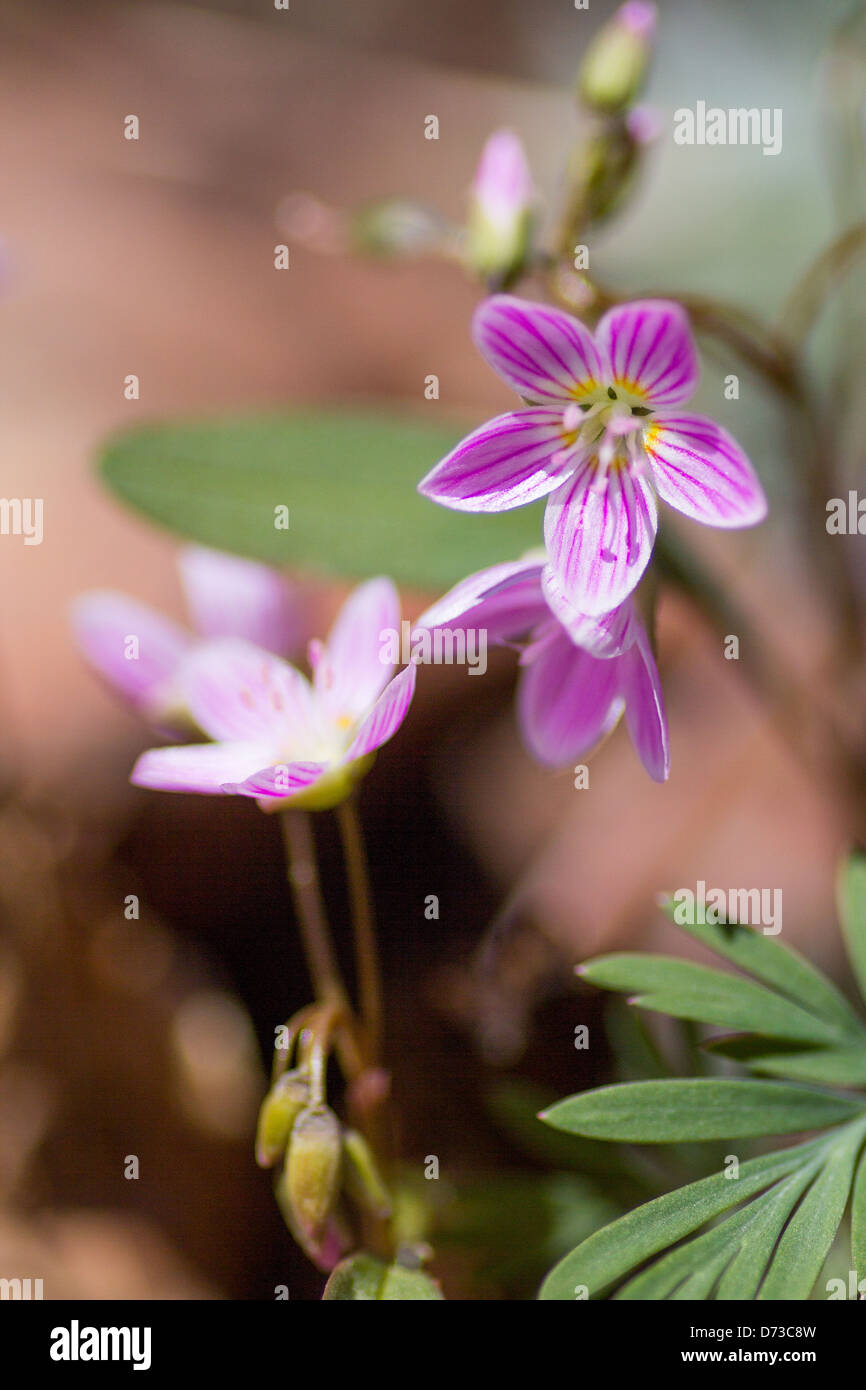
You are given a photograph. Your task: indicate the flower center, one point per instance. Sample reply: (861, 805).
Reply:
(606, 431)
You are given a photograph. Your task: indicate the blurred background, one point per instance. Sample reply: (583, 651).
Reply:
(151, 1037)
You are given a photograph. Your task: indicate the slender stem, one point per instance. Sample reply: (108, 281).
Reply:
(366, 950)
(821, 278)
(316, 937)
(307, 894)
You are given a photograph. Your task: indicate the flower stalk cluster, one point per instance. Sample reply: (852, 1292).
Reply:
(321, 1165)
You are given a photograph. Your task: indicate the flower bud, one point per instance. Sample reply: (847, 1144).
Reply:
(616, 61)
(363, 1181)
(312, 1178)
(280, 1108)
(500, 214)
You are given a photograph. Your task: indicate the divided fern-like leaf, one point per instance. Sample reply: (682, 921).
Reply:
(761, 1228)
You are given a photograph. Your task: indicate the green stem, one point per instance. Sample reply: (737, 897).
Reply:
(366, 950)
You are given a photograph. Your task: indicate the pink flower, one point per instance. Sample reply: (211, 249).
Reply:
(580, 673)
(140, 652)
(278, 737)
(599, 438)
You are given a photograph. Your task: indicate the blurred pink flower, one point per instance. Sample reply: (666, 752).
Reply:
(279, 737)
(140, 652)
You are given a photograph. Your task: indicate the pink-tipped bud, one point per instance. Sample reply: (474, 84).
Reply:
(615, 64)
(500, 213)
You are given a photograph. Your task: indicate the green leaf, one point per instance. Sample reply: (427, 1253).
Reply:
(776, 965)
(809, 1234)
(408, 1285)
(743, 1275)
(348, 480)
(610, 1253)
(833, 1066)
(356, 1278)
(858, 1220)
(851, 895)
(739, 1249)
(698, 992)
(657, 1112)
(363, 1277)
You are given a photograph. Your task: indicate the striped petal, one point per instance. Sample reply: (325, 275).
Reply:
(600, 541)
(386, 716)
(505, 600)
(567, 701)
(702, 471)
(507, 462)
(349, 673)
(645, 716)
(605, 635)
(280, 780)
(209, 768)
(239, 692)
(231, 597)
(542, 353)
(649, 351)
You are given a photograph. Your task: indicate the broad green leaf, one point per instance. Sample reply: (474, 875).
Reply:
(356, 1278)
(658, 1112)
(810, 1232)
(364, 1278)
(698, 992)
(858, 1219)
(833, 1066)
(776, 965)
(348, 480)
(851, 895)
(408, 1285)
(604, 1257)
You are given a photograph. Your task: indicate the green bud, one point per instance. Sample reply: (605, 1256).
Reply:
(362, 1178)
(615, 64)
(280, 1109)
(312, 1179)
